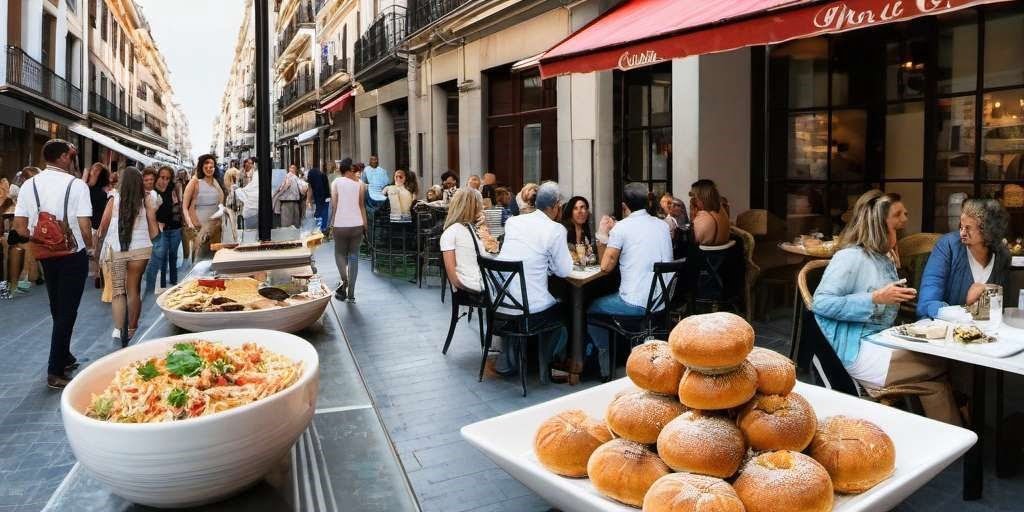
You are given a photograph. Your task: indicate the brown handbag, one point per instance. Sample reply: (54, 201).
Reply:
(52, 238)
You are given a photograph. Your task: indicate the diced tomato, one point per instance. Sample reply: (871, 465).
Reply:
(221, 381)
(213, 283)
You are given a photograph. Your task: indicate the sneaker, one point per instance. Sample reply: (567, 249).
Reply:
(57, 381)
(340, 293)
(73, 365)
(116, 334)
(24, 286)
(351, 300)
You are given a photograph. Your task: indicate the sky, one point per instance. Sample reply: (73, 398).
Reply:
(197, 39)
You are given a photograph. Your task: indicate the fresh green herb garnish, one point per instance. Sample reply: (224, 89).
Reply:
(221, 367)
(148, 371)
(177, 397)
(185, 347)
(184, 362)
(102, 408)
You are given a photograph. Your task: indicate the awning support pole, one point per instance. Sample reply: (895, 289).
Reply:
(263, 158)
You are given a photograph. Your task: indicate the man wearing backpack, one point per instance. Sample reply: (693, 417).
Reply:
(55, 214)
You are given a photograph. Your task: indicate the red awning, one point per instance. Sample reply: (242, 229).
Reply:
(337, 103)
(639, 33)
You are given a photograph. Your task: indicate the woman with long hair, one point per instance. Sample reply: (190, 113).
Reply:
(710, 214)
(859, 295)
(22, 263)
(399, 197)
(127, 229)
(169, 217)
(576, 219)
(348, 200)
(203, 197)
(458, 247)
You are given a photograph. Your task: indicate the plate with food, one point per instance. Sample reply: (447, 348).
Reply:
(207, 303)
(940, 331)
(191, 419)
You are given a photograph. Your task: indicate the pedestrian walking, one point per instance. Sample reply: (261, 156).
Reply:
(203, 198)
(289, 196)
(320, 195)
(56, 213)
(165, 245)
(128, 227)
(348, 199)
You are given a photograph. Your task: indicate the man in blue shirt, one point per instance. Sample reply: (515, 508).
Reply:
(376, 178)
(321, 193)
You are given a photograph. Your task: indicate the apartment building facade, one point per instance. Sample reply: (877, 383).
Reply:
(234, 127)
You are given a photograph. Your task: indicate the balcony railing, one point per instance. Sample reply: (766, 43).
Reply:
(382, 39)
(105, 108)
(331, 66)
(29, 74)
(154, 124)
(298, 88)
(424, 12)
(304, 17)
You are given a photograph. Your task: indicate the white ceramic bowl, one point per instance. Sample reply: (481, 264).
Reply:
(286, 319)
(195, 461)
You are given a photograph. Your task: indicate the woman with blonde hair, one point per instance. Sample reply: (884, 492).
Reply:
(523, 201)
(458, 247)
(859, 295)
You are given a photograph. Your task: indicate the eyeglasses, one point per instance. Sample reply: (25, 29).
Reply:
(969, 229)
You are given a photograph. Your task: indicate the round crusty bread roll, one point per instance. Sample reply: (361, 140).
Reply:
(652, 367)
(702, 443)
(640, 415)
(565, 442)
(687, 492)
(777, 422)
(784, 481)
(623, 471)
(856, 453)
(776, 373)
(716, 392)
(711, 343)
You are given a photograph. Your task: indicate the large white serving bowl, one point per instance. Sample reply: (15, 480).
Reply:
(924, 447)
(286, 319)
(194, 461)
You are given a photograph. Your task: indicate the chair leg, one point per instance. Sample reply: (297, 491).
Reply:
(451, 327)
(480, 321)
(487, 348)
(469, 316)
(613, 353)
(522, 362)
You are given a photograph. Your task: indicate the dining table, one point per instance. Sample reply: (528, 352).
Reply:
(577, 281)
(982, 360)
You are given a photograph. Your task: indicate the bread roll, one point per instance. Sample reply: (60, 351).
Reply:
(777, 422)
(698, 442)
(623, 471)
(776, 374)
(640, 415)
(564, 442)
(784, 481)
(652, 367)
(711, 343)
(856, 453)
(715, 392)
(687, 492)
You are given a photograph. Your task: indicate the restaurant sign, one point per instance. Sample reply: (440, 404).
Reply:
(633, 46)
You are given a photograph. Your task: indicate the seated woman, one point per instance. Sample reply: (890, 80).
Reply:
(400, 198)
(460, 246)
(963, 262)
(859, 296)
(710, 214)
(576, 219)
(523, 201)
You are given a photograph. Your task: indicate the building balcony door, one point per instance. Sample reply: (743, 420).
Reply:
(522, 128)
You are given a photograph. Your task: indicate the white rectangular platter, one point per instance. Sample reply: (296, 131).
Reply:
(923, 447)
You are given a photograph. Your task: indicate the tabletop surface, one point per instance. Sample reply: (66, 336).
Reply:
(1013, 363)
(923, 447)
(582, 277)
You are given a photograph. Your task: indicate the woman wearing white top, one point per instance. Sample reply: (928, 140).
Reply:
(458, 248)
(348, 199)
(400, 198)
(128, 227)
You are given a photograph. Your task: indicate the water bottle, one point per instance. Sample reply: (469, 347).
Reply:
(995, 308)
(313, 287)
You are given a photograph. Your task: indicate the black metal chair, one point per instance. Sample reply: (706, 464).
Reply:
(508, 316)
(468, 299)
(428, 242)
(718, 275)
(637, 329)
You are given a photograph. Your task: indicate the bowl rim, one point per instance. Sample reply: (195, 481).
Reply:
(309, 372)
(177, 312)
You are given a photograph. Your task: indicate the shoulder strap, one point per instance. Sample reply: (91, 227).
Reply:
(67, 195)
(472, 235)
(35, 190)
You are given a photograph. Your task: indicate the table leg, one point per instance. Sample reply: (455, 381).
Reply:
(973, 460)
(576, 339)
(1005, 460)
(794, 338)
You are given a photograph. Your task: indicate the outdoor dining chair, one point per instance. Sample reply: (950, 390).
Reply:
(508, 316)
(470, 300)
(637, 329)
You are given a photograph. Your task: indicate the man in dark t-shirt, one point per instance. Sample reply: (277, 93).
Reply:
(321, 192)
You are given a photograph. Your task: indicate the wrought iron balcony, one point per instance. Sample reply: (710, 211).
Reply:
(332, 66)
(305, 17)
(297, 88)
(383, 39)
(30, 75)
(422, 13)
(105, 108)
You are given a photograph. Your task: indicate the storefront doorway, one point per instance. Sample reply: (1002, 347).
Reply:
(522, 126)
(643, 128)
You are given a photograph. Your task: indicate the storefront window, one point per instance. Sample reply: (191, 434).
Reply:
(954, 157)
(958, 53)
(1004, 46)
(643, 127)
(531, 153)
(1002, 134)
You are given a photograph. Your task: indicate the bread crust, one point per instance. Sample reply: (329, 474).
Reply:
(702, 443)
(711, 343)
(716, 392)
(776, 373)
(856, 453)
(784, 481)
(777, 422)
(639, 415)
(651, 366)
(624, 470)
(564, 443)
(688, 492)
